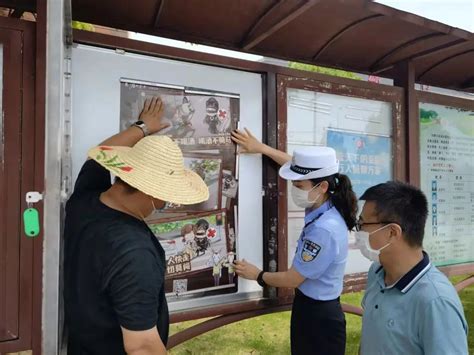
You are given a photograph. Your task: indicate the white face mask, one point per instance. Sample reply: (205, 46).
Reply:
(301, 197)
(363, 243)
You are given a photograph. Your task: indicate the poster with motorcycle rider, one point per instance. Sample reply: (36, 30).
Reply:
(199, 254)
(199, 240)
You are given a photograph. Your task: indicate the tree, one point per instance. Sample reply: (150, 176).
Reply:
(204, 167)
(323, 70)
(83, 26)
(427, 116)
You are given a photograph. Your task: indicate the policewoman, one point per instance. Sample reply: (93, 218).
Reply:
(318, 324)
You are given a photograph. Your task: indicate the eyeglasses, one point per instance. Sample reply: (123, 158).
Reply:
(359, 224)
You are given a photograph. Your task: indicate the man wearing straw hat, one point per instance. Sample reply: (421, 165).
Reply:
(114, 266)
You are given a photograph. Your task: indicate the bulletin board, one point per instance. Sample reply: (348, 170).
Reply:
(108, 89)
(364, 128)
(359, 129)
(446, 146)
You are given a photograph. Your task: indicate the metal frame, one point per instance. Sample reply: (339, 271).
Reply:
(57, 164)
(40, 117)
(414, 127)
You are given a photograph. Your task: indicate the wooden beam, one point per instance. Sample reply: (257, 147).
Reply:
(468, 84)
(254, 40)
(405, 78)
(346, 29)
(435, 50)
(271, 9)
(401, 47)
(431, 67)
(158, 14)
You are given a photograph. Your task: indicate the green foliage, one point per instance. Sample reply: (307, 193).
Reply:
(161, 228)
(323, 70)
(204, 167)
(83, 26)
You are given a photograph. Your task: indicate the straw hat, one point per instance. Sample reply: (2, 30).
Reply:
(310, 163)
(155, 167)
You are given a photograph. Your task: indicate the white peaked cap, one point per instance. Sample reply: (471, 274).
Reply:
(310, 163)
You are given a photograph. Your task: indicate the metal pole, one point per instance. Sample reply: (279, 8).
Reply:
(57, 137)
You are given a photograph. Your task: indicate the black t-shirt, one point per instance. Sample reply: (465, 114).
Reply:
(113, 271)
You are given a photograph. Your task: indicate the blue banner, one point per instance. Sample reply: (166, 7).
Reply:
(366, 159)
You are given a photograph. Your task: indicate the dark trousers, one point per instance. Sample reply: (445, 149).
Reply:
(317, 327)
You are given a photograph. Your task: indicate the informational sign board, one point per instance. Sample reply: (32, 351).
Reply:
(447, 178)
(366, 159)
(203, 104)
(360, 130)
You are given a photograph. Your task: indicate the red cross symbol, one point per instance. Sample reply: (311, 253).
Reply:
(211, 233)
(222, 114)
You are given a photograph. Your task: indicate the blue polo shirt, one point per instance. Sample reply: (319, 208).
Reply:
(321, 253)
(420, 314)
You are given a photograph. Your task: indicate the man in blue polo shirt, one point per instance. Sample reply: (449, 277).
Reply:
(410, 307)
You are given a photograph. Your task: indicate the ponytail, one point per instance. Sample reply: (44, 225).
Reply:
(342, 197)
(345, 200)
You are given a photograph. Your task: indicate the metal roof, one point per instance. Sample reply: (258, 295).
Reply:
(355, 35)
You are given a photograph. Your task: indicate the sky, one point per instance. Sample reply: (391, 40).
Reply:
(455, 13)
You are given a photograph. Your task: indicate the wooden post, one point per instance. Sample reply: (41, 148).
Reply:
(405, 78)
(270, 182)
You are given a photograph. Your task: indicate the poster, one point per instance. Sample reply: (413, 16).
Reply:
(199, 240)
(199, 253)
(447, 179)
(197, 118)
(366, 159)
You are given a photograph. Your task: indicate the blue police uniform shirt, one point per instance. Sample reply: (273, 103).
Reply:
(420, 314)
(321, 253)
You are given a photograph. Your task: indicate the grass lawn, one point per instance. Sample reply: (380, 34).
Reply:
(270, 334)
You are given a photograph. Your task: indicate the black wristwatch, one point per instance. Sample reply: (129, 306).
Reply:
(260, 280)
(142, 126)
